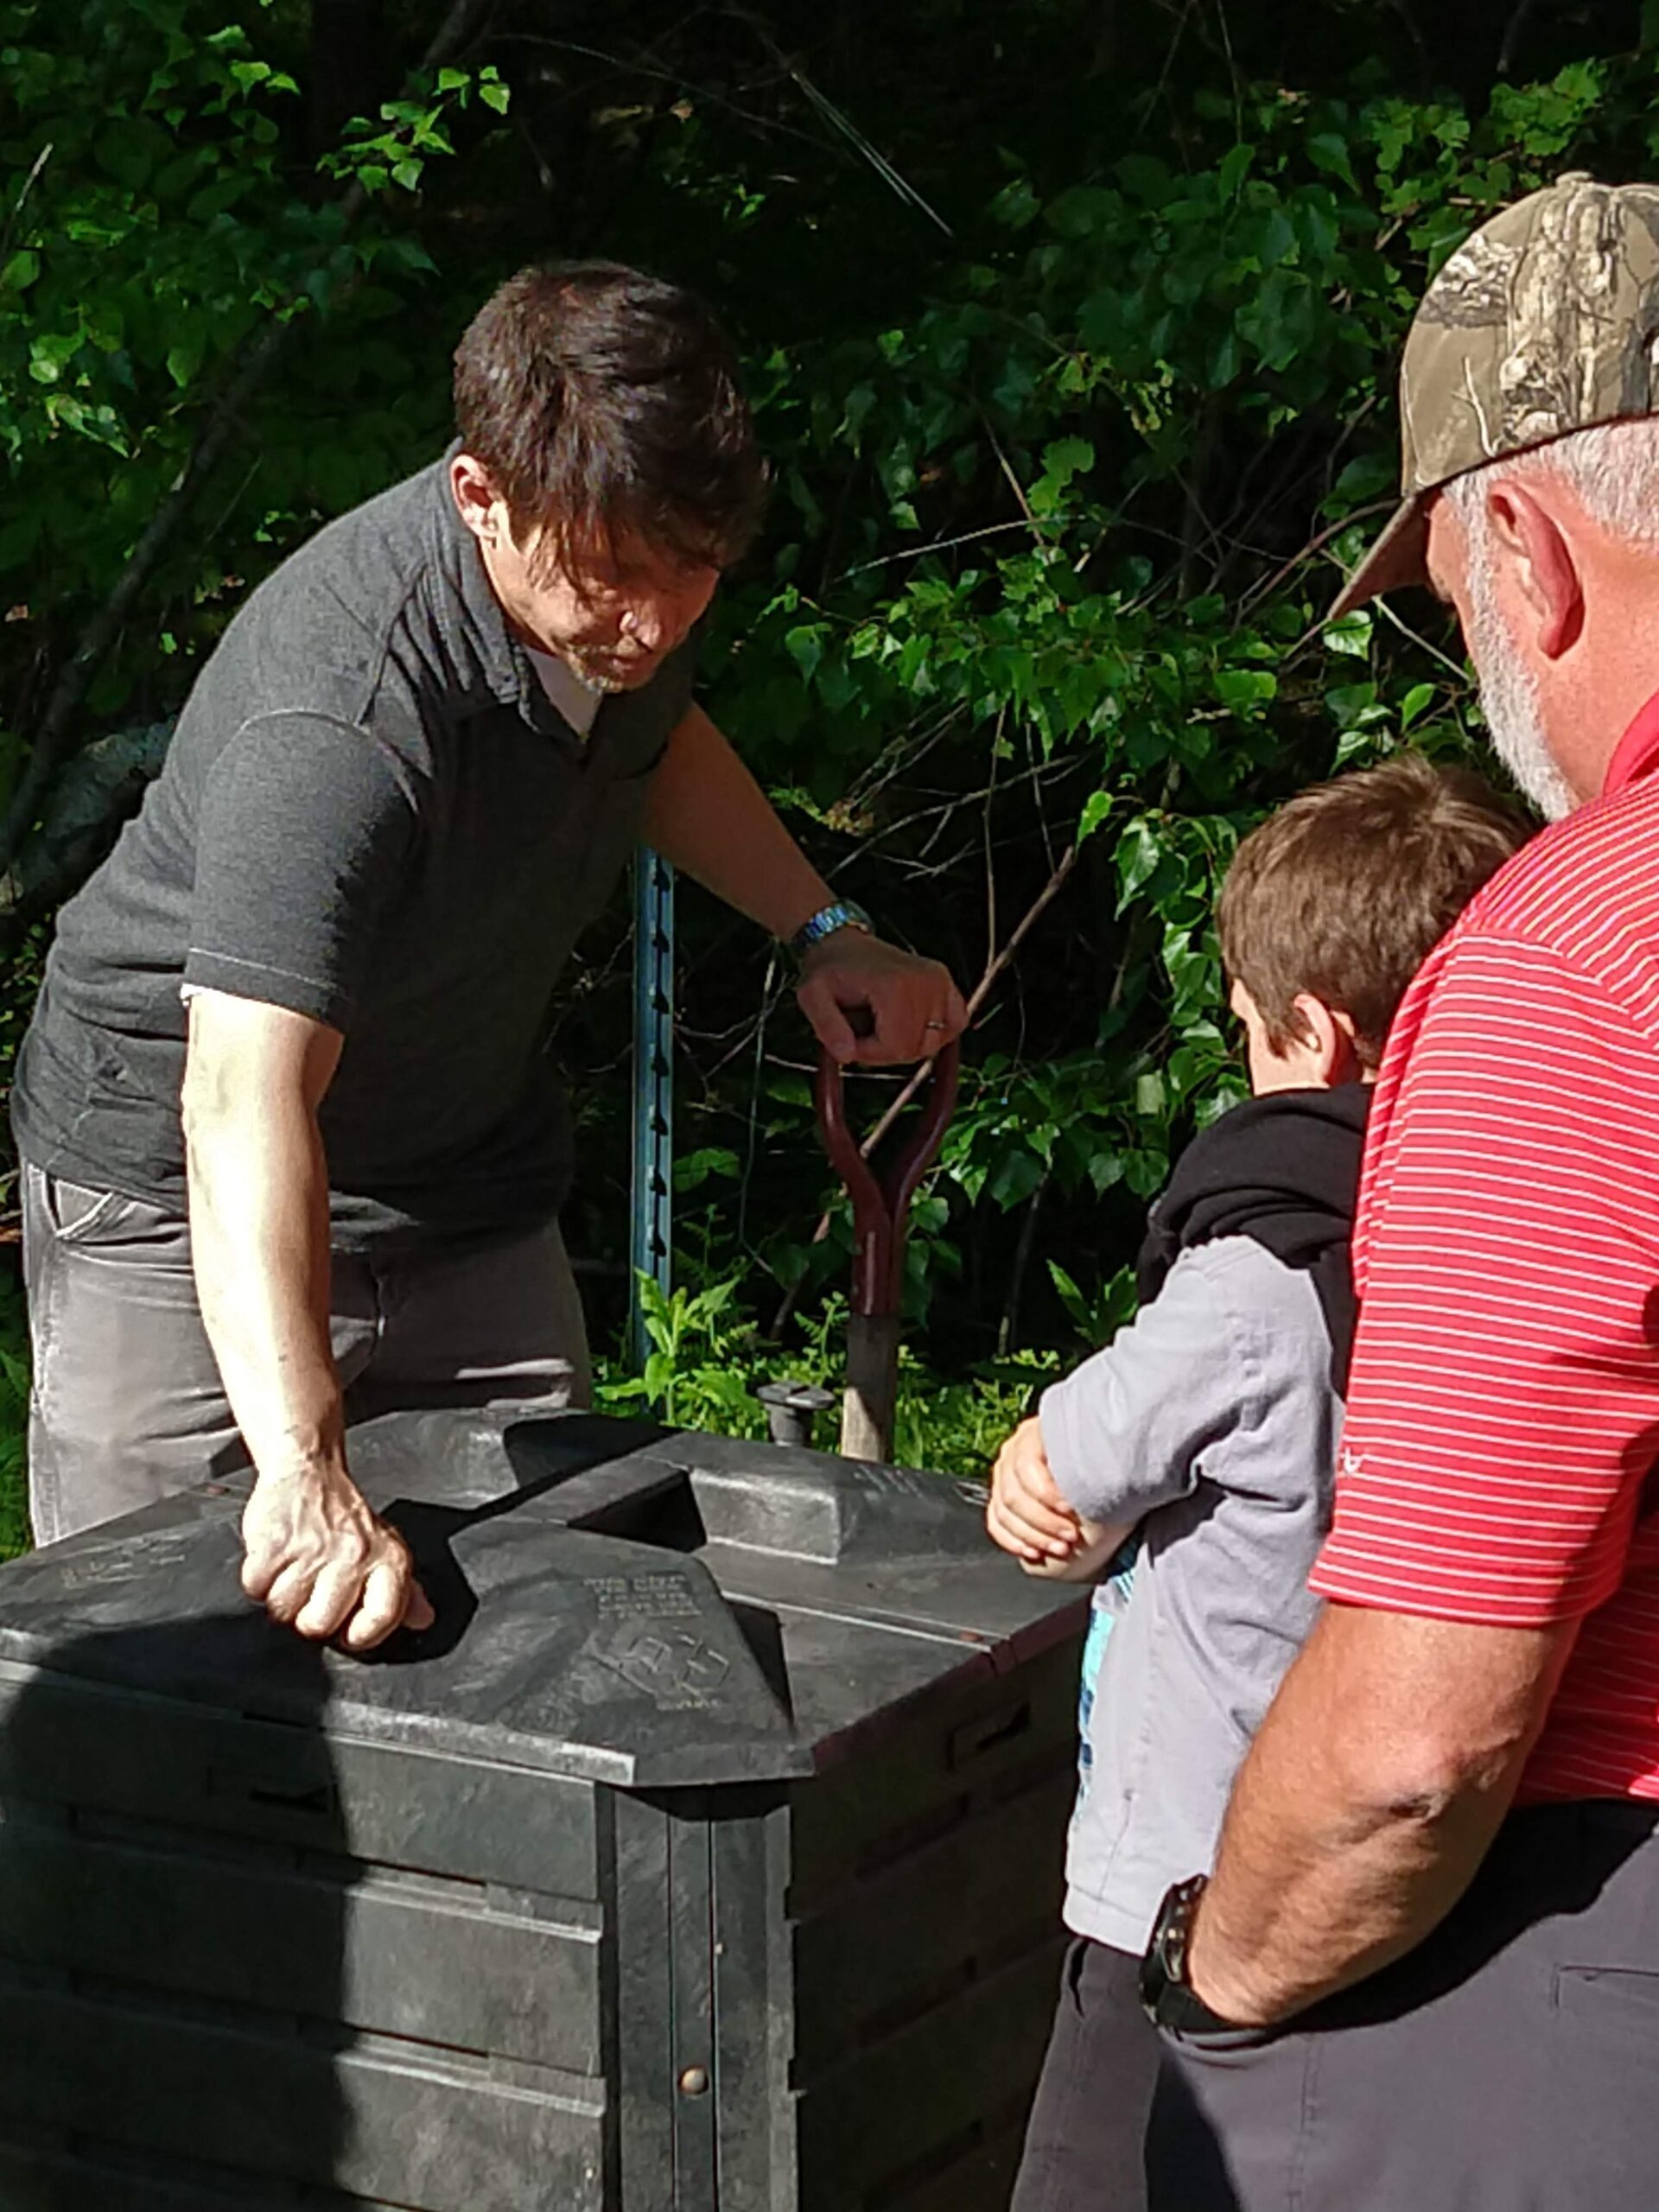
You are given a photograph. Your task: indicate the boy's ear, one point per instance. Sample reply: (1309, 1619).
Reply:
(1329, 1040)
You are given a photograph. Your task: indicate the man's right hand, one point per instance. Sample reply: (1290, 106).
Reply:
(320, 1560)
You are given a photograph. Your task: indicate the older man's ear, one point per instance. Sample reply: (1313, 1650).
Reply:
(1539, 553)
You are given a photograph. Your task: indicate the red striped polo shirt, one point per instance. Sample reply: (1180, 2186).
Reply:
(1503, 1409)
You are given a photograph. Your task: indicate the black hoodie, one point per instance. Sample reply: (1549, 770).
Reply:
(1283, 1170)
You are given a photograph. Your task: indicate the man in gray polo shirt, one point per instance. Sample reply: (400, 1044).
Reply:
(292, 1150)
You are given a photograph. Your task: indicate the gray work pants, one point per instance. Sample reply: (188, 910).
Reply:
(127, 1405)
(1510, 2063)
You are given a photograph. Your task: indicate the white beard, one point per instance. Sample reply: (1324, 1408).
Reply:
(1509, 701)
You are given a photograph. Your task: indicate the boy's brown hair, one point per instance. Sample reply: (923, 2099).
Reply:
(1345, 891)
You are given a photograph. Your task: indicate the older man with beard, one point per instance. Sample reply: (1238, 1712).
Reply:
(1425, 1970)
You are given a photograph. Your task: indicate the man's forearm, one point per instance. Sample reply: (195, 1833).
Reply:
(1370, 1798)
(1316, 1887)
(317, 1557)
(259, 1235)
(708, 815)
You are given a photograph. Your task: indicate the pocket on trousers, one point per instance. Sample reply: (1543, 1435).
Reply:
(1219, 2043)
(76, 1211)
(1623, 1999)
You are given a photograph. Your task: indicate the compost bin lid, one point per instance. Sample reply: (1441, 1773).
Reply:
(614, 1601)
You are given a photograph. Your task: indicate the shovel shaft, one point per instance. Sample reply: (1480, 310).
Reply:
(866, 1409)
(880, 1216)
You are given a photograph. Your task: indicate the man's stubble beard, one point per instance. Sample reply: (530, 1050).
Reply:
(602, 675)
(1509, 699)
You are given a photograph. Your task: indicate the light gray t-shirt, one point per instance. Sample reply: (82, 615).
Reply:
(1210, 1420)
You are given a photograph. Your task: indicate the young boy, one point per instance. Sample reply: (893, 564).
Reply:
(1208, 1429)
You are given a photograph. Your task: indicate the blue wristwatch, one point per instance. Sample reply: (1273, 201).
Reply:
(842, 915)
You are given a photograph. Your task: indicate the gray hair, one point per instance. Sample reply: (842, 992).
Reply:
(1612, 467)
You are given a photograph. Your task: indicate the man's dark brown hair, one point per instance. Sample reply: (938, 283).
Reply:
(1345, 892)
(605, 406)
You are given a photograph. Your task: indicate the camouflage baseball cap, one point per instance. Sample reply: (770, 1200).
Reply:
(1545, 322)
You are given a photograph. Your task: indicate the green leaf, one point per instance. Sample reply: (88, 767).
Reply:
(1138, 851)
(1235, 168)
(1241, 689)
(51, 354)
(1096, 810)
(19, 271)
(493, 93)
(1329, 152)
(407, 174)
(1350, 701)
(805, 646)
(1351, 633)
(185, 355)
(1062, 460)
(1363, 479)
(1071, 1298)
(1355, 742)
(1015, 1176)
(693, 1169)
(1421, 696)
(1225, 361)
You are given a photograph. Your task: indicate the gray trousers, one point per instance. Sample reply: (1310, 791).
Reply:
(1510, 2063)
(127, 1405)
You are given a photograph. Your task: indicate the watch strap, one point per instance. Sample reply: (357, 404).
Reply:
(840, 914)
(1166, 1995)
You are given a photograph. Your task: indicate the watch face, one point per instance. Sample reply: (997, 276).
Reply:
(1175, 1946)
(1165, 1957)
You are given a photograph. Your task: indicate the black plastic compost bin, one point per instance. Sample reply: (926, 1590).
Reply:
(705, 1854)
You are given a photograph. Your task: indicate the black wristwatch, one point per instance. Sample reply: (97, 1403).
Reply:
(1167, 1996)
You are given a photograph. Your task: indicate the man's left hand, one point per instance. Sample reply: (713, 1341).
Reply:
(912, 1005)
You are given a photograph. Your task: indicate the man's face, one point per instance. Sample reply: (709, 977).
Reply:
(613, 614)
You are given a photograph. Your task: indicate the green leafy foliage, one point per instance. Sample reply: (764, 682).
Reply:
(1073, 357)
(707, 1357)
(160, 211)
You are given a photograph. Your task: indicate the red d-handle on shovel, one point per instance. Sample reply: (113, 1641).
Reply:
(880, 1221)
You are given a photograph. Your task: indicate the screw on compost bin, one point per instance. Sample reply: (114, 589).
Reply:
(694, 2081)
(790, 1409)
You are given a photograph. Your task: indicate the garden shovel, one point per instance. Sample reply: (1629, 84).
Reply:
(880, 1219)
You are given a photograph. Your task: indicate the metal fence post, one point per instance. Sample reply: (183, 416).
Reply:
(650, 1248)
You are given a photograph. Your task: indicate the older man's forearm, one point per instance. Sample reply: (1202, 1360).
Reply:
(1316, 1887)
(1365, 1806)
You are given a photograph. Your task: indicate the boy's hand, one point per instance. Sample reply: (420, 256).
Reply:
(1026, 1515)
(1097, 1547)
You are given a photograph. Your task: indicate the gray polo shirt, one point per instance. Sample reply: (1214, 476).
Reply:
(1211, 1421)
(372, 813)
